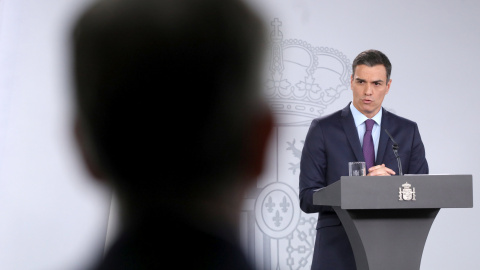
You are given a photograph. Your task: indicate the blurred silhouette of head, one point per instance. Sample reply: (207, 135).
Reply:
(167, 93)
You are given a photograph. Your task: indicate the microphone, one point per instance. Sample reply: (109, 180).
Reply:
(395, 151)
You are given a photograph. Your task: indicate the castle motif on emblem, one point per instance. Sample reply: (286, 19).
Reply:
(406, 192)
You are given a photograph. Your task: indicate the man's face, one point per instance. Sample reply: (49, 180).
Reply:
(369, 87)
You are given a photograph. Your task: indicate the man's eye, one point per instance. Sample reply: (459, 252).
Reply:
(378, 83)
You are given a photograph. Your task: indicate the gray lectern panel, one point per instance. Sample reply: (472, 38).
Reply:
(398, 192)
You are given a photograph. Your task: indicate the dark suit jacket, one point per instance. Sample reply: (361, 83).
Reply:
(331, 142)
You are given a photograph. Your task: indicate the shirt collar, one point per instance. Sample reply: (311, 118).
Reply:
(360, 118)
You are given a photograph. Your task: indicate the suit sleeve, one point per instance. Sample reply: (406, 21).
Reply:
(418, 163)
(312, 168)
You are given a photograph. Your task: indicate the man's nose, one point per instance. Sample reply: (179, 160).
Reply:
(369, 90)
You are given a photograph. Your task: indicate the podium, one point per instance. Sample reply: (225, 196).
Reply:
(387, 218)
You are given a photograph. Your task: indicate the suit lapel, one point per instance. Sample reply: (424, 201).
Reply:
(382, 144)
(348, 125)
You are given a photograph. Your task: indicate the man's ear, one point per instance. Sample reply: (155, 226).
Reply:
(388, 85)
(87, 153)
(258, 141)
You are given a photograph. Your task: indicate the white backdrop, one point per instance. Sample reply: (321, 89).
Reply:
(53, 216)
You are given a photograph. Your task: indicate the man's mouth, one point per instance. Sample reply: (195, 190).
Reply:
(367, 100)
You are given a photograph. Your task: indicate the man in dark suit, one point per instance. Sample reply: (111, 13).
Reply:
(169, 113)
(334, 140)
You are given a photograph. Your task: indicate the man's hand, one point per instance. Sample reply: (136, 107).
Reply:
(380, 170)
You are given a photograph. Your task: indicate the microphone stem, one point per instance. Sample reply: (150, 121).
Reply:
(395, 151)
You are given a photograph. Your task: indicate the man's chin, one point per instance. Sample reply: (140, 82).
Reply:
(369, 111)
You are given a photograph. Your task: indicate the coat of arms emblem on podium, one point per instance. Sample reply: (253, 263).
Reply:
(406, 192)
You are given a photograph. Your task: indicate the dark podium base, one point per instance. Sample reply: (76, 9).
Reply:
(390, 239)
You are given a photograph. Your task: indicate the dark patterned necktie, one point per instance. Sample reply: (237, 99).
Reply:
(368, 149)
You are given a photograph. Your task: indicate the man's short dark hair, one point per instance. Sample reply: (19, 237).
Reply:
(163, 88)
(372, 58)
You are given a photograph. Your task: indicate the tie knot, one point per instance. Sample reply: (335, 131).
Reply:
(369, 124)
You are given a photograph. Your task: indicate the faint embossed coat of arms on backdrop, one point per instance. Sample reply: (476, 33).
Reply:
(303, 80)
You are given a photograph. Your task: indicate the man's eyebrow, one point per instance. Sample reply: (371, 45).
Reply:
(363, 80)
